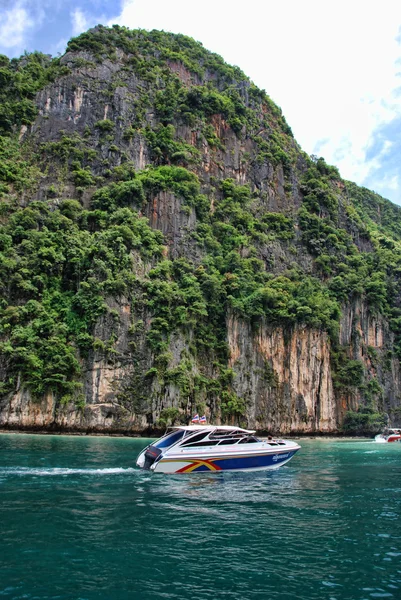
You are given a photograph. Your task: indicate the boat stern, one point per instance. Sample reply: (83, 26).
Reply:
(149, 457)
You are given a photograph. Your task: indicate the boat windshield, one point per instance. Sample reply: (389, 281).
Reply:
(170, 438)
(219, 438)
(195, 438)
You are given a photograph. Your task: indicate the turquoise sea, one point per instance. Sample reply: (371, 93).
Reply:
(79, 521)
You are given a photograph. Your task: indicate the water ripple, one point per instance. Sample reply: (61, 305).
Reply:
(79, 521)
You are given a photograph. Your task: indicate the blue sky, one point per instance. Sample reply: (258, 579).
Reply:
(47, 25)
(334, 68)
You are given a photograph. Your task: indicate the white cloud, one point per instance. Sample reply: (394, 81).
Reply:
(80, 22)
(16, 24)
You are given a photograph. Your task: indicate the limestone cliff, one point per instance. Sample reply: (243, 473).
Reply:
(270, 297)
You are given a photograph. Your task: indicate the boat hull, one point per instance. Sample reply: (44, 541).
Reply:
(214, 464)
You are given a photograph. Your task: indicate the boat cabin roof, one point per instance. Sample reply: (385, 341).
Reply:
(212, 428)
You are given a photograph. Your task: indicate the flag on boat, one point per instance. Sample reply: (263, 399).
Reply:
(195, 419)
(202, 419)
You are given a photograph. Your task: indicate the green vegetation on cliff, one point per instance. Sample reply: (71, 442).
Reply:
(74, 242)
(20, 79)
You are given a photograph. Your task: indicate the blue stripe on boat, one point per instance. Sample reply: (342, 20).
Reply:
(247, 462)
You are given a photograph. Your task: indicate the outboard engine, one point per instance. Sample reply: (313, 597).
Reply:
(151, 454)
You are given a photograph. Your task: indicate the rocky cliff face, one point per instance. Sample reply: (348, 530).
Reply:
(267, 301)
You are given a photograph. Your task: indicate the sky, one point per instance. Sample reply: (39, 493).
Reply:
(333, 67)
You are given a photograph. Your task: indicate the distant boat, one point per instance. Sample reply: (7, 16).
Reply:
(214, 448)
(391, 435)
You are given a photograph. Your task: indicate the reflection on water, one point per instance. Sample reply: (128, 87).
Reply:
(77, 520)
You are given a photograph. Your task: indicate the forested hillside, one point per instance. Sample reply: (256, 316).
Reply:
(167, 248)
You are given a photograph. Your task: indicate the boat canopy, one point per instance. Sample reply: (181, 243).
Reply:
(227, 428)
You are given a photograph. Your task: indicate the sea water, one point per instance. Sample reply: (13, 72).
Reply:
(79, 521)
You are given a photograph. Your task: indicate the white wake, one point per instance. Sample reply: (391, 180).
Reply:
(57, 471)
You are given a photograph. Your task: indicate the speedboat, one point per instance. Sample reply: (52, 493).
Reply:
(391, 435)
(200, 448)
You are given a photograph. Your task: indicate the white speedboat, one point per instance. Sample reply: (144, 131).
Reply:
(391, 435)
(200, 448)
